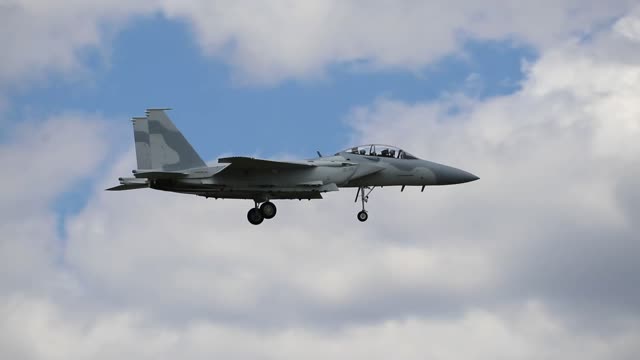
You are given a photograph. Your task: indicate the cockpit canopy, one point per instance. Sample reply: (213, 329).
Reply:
(379, 150)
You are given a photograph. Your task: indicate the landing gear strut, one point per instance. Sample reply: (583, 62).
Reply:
(363, 215)
(256, 215)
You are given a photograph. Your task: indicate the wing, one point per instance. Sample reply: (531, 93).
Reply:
(241, 162)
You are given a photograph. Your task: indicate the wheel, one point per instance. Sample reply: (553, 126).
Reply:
(268, 210)
(363, 216)
(255, 216)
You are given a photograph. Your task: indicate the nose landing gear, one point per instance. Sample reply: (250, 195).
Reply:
(256, 215)
(363, 215)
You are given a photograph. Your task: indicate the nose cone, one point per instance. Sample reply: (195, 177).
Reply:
(464, 177)
(447, 175)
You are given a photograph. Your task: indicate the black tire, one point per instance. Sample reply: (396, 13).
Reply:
(268, 210)
(363, 216)
(255, 216)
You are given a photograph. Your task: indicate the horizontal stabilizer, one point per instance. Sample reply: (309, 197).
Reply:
(128, 187)
(130, 184)
(241, 162)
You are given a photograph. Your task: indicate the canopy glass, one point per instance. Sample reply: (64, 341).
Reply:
(379, 150)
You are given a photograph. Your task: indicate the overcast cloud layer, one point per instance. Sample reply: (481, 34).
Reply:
(536, 260)
(271, 40)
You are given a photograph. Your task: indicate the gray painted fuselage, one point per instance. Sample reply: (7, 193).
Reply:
(325, 174)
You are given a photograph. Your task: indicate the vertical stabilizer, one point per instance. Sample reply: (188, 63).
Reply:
(160, 145)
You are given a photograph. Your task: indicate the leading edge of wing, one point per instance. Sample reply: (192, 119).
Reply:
(242, 162)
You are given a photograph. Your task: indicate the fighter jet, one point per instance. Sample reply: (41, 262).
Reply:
(166, 161)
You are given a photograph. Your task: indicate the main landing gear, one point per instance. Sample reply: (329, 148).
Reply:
(257, 214)
(363, 215)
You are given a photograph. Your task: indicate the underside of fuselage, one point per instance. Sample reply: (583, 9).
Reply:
(239, 193)
(258, 193)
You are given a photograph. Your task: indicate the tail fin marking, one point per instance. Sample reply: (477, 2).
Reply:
(160, 145)
(143, 147)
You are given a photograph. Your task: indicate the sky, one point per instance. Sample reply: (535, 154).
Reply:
(537, 260)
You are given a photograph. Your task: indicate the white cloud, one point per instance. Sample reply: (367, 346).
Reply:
(43, 36)
(40, 162)
(47, 156)
(267, 41)
(37, 329)
(555, 161)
